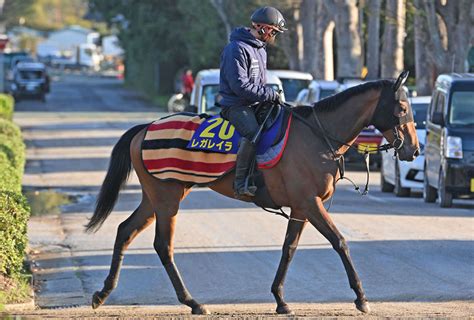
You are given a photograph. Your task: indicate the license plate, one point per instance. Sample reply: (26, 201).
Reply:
(371, 147)
(31, 87)
(472, 184)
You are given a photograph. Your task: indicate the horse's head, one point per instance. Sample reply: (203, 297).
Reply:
(394, 118)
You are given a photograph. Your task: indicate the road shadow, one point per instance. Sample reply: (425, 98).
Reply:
(432, 270)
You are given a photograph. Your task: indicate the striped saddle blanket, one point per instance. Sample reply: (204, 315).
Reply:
(199, 149)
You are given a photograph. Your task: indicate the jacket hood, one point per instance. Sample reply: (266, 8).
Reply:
(244, 35)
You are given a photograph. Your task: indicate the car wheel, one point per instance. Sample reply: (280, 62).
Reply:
(445, 197)
(384, 185)
(429, 193)
(398, 189)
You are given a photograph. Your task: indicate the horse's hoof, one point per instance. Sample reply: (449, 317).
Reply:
(362, 305)
(200, 309)
(284, 309)
(96, 300)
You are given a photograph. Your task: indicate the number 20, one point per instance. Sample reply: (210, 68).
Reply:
(224, 134)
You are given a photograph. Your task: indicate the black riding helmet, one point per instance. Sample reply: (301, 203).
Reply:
(269, 16)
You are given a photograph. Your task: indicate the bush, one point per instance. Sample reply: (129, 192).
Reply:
(6, 106)
(14, 214)
(10, 129)
(14, 148)
(10, 177)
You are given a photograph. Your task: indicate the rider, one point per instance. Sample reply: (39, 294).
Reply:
(242, 84)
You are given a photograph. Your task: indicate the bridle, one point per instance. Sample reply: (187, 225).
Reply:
(396, 144)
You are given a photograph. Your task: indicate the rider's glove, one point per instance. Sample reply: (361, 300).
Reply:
(278, 97)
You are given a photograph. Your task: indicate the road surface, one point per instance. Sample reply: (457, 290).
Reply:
(414, 259)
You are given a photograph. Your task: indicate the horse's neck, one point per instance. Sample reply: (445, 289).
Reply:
(347, 121)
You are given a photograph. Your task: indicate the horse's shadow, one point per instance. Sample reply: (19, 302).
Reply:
(407, 270)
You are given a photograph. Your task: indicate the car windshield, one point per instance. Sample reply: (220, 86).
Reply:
(210, 92)
(31, 74)
(419, 113)
(324, 93)
(208, 99)
(461, 111)
(292, 87)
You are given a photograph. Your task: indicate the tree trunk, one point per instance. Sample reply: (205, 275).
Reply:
(292, 40)
(423, 65)
(328, 45)
(349, 49)
(394, 34)
(373, 41)
(219, 6)
(309, 20)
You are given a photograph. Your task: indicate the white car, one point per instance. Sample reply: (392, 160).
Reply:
(206, 89)
(293, 82)
(317, 90)
(402, 176)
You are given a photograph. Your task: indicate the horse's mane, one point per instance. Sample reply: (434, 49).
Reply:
(333, 102)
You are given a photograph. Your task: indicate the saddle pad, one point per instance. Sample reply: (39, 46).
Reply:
(166, 152)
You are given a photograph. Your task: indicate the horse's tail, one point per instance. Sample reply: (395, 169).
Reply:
(117, 175)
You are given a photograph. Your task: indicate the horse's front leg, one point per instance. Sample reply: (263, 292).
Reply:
(293, 233)
(320, 219)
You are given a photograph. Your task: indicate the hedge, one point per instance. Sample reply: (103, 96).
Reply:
(9, 128)
(6, 106)
(10, 177)
(14, 214)
(14, 209)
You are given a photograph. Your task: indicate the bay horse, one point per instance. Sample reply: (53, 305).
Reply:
(303, 179)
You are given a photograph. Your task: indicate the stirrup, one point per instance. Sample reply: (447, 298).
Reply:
(245, 190)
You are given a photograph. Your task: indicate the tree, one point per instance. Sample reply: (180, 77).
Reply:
(373, 38)
(394, 35)
(349, 46)
(443, 36)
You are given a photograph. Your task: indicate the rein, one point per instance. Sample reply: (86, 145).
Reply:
(397, 144)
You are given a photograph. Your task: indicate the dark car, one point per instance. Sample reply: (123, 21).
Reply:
(449, 149)
(30, 80)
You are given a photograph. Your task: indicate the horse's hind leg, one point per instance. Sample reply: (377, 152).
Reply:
(321, 220)
(166, 208)
(127, 231)
(293, 233)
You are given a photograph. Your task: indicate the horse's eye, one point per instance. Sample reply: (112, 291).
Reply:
(403, 109)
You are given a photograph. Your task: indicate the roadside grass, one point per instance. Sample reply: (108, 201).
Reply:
(47, 202)
(14, 290)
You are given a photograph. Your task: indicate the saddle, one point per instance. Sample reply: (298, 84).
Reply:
(199, 149)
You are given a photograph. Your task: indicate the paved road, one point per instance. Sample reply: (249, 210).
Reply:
(227, 251)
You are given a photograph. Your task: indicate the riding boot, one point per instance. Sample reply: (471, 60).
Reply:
(245, 156)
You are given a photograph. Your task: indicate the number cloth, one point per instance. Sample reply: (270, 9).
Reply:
(199, 149)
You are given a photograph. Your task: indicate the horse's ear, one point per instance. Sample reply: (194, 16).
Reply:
(401, 80)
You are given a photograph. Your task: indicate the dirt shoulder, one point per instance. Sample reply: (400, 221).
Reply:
(451, 309)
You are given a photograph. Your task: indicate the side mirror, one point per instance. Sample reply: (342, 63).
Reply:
(438, 118)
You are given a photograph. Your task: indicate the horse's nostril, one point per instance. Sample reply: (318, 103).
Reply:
(416, 153)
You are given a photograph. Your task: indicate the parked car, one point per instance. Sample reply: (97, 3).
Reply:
(368, 139)
(10, 60)
(449, 149)
(293, 82)
(206, 89)
(30, 79)
(317, 90)
(401, 176)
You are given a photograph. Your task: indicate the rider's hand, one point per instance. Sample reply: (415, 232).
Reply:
(278, 97)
